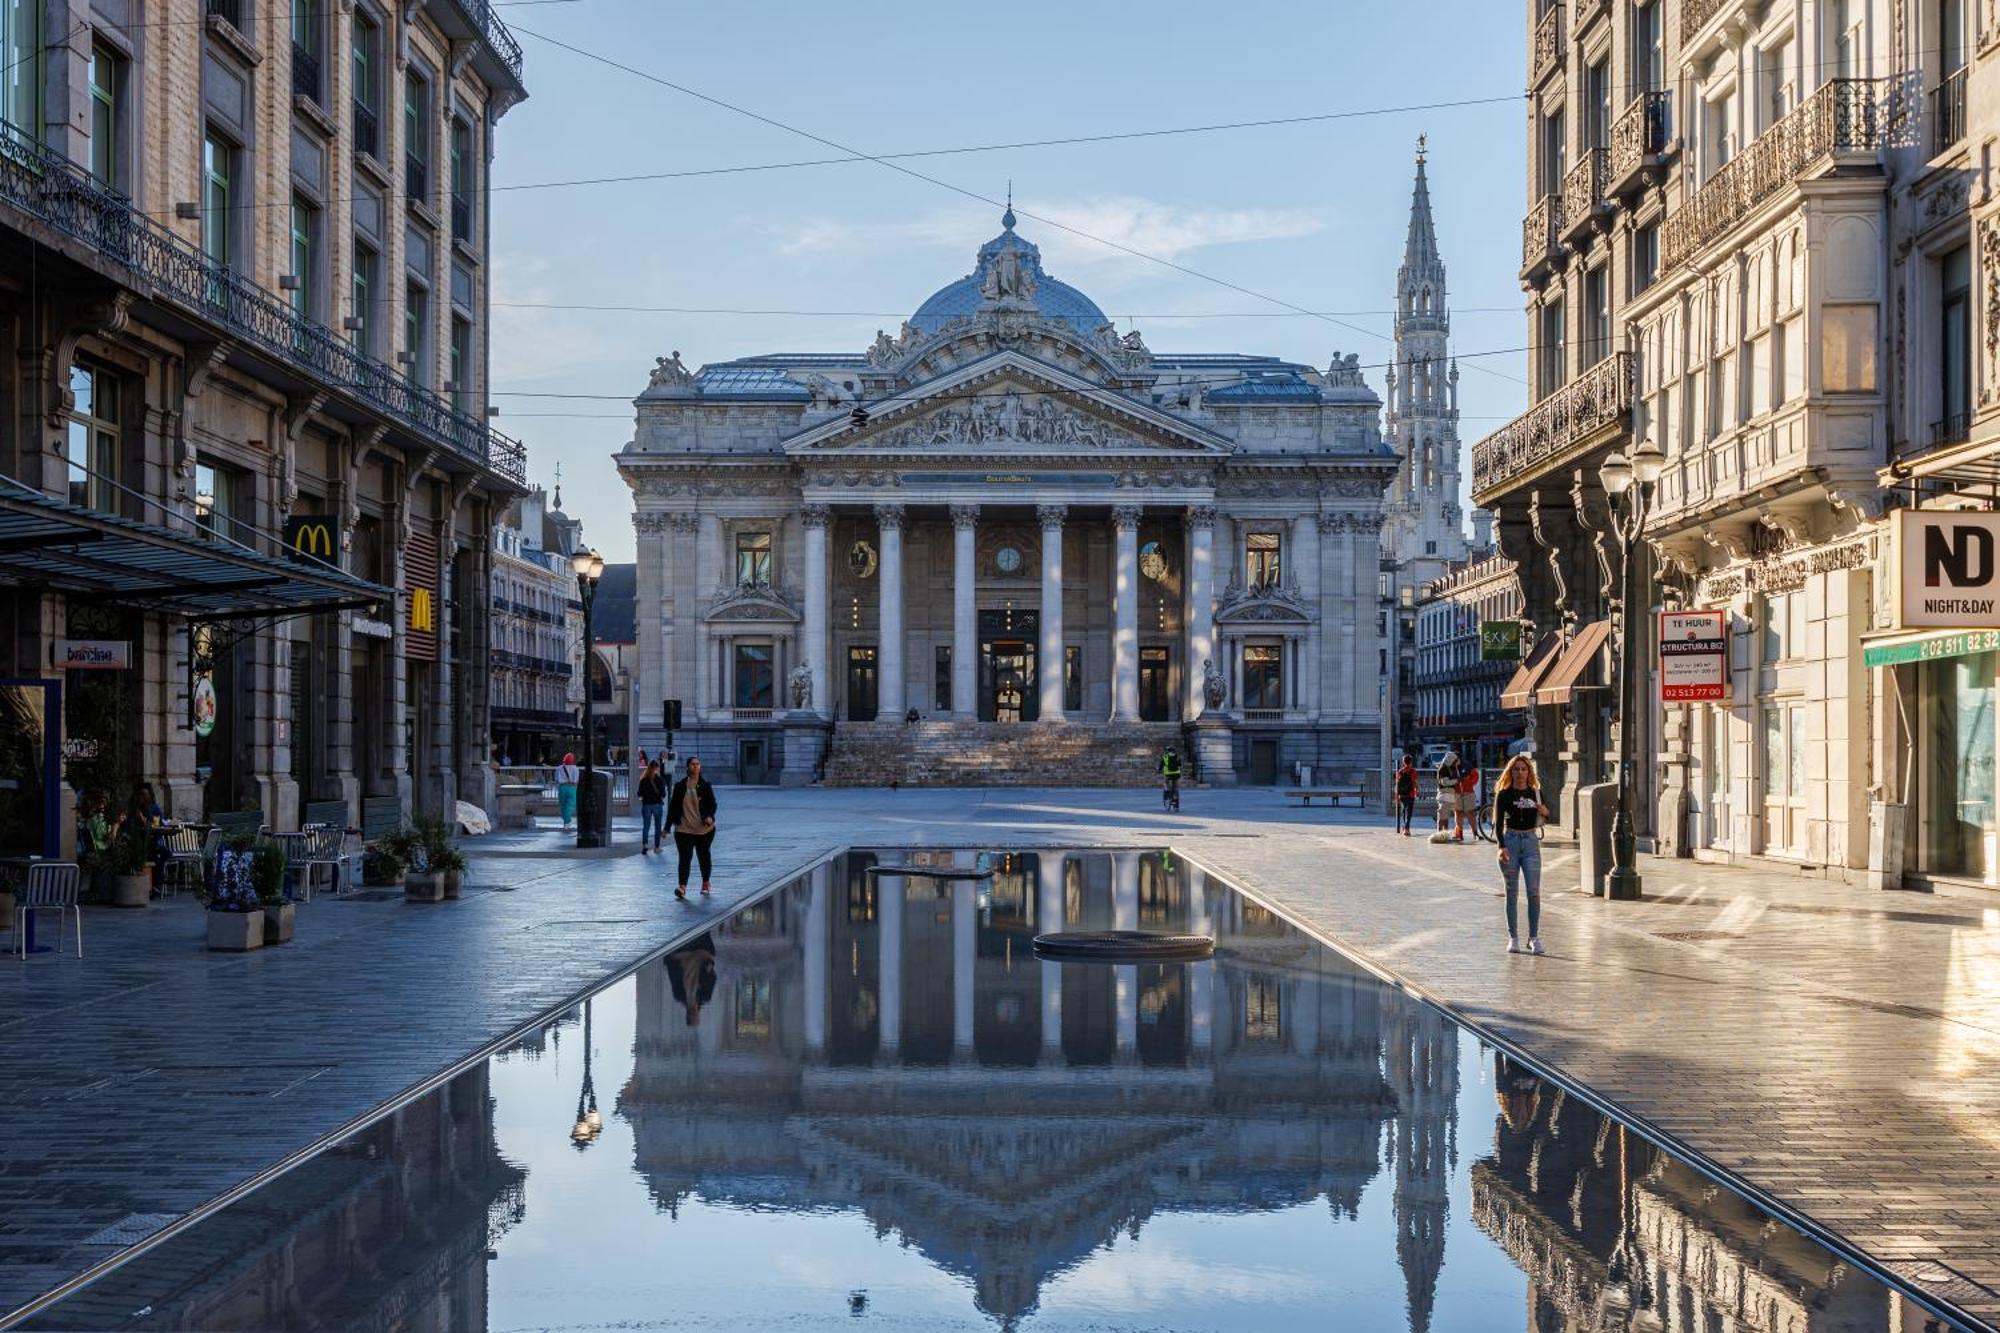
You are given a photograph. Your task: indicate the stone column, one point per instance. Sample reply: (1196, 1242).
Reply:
(678, 619)
(964, 612)
(1200, 605)
(711, 684)
(1125, 619)
(964, 962)
(889, 586)
(889, 900)
(815, 998)
(816, 518)
(1305, 568)
(1050, 666)
(1049, 917)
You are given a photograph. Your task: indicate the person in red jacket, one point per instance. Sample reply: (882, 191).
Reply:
(1406, 795)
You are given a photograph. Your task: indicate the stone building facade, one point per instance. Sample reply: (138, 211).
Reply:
(246, 324)
(536, 656)
(1014, 522)
(1458, 692)
(1786, 209)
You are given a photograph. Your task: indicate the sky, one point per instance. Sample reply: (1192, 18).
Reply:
(1311, 214)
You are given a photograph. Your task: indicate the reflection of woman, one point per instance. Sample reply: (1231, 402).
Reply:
(1518, 1091)
(691, 973)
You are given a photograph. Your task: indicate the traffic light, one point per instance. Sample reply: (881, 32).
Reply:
(670, 710)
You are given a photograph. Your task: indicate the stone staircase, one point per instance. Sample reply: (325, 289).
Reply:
(998, 754)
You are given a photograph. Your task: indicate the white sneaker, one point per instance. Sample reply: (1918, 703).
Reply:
(1513, 945)
(1535, 945)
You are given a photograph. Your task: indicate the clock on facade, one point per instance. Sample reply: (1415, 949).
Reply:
(1151, 562)
(1007, 560)
(861, 560)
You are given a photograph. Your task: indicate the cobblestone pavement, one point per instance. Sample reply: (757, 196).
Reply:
(1837, 1049)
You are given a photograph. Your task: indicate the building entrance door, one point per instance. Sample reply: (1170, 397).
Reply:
(30, 794)
(752, 767)
(861, 683)
(1155, 670)
(1007, 650)
(1263, 763)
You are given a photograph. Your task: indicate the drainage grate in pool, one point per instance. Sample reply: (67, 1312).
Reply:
(1697, 936)
(596, 921)
(1942, 1280)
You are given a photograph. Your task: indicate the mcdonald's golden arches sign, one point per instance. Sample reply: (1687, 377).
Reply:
(313, 536)
(422, 613)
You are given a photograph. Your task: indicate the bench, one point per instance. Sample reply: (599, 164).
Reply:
(380, 816)
(1333, 795)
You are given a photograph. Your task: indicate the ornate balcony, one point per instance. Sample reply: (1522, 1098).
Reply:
(1638, 141)
(1844, 116)
(1548, 50)
(494, 33)
(1541, 243)
(162, 267)
(1584, 408)
(1948, 113)
(1695, 15)
(1583, 194)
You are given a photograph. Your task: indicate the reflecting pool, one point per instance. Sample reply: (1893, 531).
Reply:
(864, 1102)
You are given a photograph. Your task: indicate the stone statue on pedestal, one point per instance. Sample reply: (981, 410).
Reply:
(802, 686)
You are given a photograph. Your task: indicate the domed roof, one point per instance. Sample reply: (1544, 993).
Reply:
(1051, 299)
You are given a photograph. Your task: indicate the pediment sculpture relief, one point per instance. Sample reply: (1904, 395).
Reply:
(1009, 419)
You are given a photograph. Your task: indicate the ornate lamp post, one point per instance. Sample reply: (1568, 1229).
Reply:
(1628, 506)
(589, 567)
(589, 1124)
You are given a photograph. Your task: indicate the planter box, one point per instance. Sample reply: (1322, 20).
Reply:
(131, 890)
(6, 909)
(424, 888)
(453, 881)
(235, 931)
(278, 923)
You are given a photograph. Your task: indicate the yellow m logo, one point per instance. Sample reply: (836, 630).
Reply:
(423, 615)
(314, 539)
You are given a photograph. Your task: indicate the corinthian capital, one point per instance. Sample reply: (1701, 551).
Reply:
(964, 518)
(889, 517)
(815, 516)
(1051, 516)
(1201, 516)
(1126, 516)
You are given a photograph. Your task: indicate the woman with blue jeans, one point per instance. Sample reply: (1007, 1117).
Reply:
(1518, 813)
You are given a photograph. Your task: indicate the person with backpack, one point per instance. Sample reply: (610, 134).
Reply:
(1406, 795)
(652, 807)
(1518, 815)
(1468, 798)
(1451, 809)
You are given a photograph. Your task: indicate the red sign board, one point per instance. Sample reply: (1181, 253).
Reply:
(1694, 657)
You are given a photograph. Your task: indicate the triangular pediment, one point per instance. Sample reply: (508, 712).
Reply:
(1009, 403)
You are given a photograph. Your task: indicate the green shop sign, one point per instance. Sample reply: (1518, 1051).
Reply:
(1499, 640)
(1931, 647)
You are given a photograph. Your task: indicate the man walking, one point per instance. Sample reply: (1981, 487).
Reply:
(1406, 795)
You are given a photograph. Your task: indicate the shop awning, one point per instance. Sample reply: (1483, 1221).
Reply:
(1520, 689)
(1926, 646)
(1561, 684)
(53, 544)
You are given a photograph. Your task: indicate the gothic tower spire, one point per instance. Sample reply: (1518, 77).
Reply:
(1424, 532)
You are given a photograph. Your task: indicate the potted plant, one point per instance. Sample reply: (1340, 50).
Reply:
(267, 874)
(127, 868)
(381, 867)
(452, 862)
(235, 913)
(422, 882)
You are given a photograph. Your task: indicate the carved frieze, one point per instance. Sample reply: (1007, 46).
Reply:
(1009, 420)
(1989, 277)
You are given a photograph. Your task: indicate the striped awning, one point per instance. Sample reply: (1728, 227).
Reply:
(51, 544)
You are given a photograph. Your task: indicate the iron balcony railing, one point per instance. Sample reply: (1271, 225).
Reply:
(1600, 397)
(461, 217)
(1953, 429)
(1845, 115)
(367, 132)
(229, 11)
(167, 268)
(495, 32)
(417, 180)
(1695, 15)
(1638, 137)
(1948, 113)
(305, 72)
(1548, 52)
(1583, 190)
(1540, 239)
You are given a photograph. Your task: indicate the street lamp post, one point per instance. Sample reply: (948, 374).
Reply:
(589, 567)
(1629, 483)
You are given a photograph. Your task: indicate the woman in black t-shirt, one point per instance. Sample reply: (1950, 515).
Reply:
(1518, 813)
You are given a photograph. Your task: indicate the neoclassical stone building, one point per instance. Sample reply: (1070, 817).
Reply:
(1022, 526)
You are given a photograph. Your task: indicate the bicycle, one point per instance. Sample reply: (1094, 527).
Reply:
(1170, 795)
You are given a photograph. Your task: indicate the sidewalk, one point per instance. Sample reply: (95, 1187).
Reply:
(153, 1076)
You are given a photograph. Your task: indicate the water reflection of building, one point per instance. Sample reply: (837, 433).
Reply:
(388, 1230)
(1615, 1235)
(891, 1044)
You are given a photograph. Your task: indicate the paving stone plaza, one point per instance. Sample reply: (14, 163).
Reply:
(1828, 1050)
